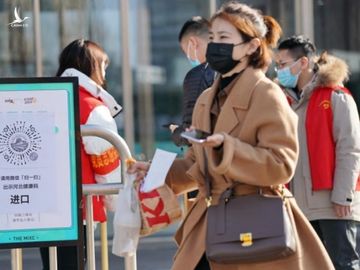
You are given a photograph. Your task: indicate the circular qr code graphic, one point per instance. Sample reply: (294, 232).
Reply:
(19, 143)
(33, 156)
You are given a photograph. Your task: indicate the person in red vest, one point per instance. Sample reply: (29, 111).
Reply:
(100, 161)
(326, 184)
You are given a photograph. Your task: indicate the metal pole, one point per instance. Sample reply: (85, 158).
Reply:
(90, 242)
(61, 14)
(212, 7)
(104, 189)
(127, 75)
(37, 31)
(110, 188)
(298, 14)
(16, 259)
(104, 246)
(144, 89)
(53, 258)
(304, 18)
(130, 262)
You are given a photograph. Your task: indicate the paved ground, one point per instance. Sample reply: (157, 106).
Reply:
(154, 253)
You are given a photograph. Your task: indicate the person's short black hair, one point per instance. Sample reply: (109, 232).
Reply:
(197, 26)
(298, 46)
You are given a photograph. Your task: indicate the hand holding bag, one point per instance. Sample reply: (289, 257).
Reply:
(247, 228)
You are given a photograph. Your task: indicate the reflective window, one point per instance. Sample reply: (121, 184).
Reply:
(16, 40)
(337, 30)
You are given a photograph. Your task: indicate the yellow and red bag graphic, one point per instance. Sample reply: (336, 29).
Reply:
(159, 208)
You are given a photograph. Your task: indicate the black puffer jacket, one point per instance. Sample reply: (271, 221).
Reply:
(196, 81)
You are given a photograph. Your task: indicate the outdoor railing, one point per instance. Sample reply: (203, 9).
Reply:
(104, 189)
(88, 191)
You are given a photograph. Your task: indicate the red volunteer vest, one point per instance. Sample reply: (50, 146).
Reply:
(320, 141)
(87, 104)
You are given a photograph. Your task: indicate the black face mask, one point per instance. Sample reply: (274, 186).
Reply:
(219, 56)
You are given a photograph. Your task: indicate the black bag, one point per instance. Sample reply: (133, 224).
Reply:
(248, 228)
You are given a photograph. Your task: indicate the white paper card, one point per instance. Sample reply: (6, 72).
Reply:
(159, 168)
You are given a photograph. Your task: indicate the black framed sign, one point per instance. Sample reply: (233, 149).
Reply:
(40, 170)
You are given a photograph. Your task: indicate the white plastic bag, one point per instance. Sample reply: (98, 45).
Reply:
(127, 220)
(111, 200)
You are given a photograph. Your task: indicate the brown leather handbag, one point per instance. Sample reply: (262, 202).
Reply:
(248, 228)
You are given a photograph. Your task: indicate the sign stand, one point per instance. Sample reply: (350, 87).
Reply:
(40, 172)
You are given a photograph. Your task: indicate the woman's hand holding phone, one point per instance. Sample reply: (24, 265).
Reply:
(195, 135)
(214, 140)
(202, 137)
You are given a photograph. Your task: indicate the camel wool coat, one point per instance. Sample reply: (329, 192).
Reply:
(260, 149)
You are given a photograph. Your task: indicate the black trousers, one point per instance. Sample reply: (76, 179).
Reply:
(341, 239)
(67, 257)
(203, 264)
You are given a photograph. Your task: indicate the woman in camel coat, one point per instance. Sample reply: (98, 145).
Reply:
(254, 141)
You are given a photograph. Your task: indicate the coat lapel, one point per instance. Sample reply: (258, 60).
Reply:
(204, 108)
(238, 99)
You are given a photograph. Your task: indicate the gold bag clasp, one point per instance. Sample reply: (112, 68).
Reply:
(246, 239)
(208, 201)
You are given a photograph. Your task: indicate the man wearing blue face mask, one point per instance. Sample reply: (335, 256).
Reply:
(193, 39)
(326, 182)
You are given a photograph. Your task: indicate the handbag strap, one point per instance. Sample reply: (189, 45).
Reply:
(279, 190)
(208, 198)
(226, 194)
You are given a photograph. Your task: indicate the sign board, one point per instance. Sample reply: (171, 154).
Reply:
(40, 186)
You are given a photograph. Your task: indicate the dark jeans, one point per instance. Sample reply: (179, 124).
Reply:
(203, 264)
(66, 256)
(341, 239)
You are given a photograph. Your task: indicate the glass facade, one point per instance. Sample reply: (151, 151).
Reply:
(157, 63)
(16, 43)
(337, 30)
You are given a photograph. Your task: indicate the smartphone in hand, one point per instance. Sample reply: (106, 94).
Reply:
(195, 135)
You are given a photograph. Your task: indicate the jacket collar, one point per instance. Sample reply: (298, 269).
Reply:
(331, 71)
(94, 89)
(238, 99)
(305, 93)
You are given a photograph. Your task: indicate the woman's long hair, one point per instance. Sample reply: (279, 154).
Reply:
(86, 56)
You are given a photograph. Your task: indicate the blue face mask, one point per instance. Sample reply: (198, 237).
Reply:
(193, 62)
(286, 78)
